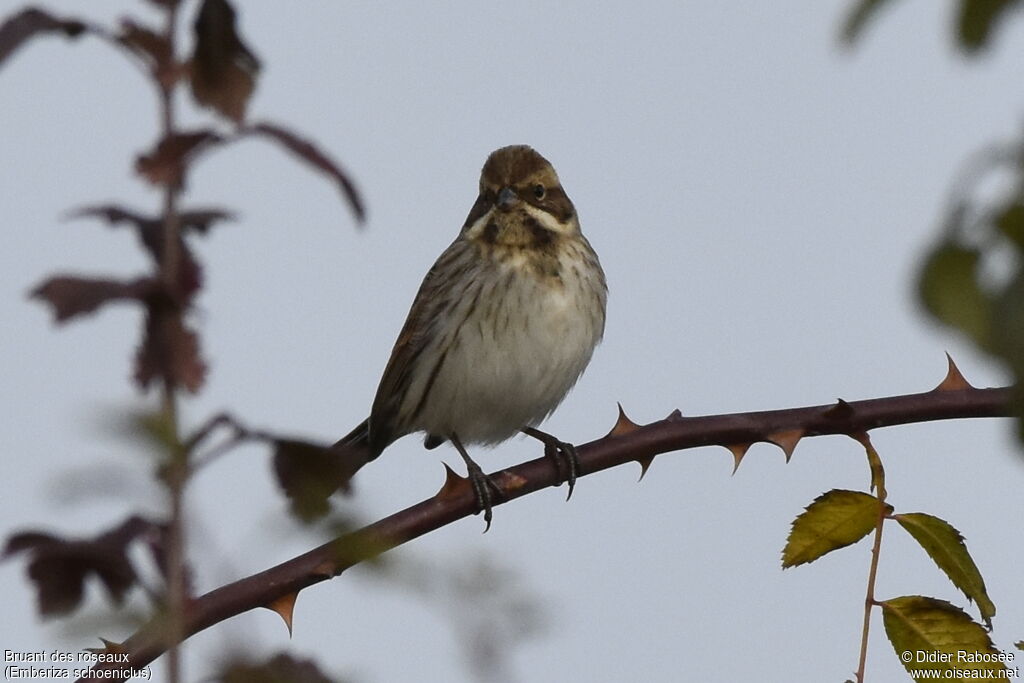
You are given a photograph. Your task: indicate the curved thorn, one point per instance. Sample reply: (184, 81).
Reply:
(787, 440)
(954, 379)
(623, 425)
(284, 606)
(453, 483)
(738, 450)
(645, 464)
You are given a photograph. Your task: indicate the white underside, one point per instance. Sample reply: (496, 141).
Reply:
(508, 368)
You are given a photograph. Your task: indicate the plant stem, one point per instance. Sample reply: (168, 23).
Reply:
(176, 472)
(878, 483)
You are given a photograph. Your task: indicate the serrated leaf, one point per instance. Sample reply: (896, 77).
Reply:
(834, 520)
(938, 631)
(946, 547)
(949, 289)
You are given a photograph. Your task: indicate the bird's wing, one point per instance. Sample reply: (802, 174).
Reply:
(441, 289)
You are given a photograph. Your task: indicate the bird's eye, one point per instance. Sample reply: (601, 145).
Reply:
(539, 191)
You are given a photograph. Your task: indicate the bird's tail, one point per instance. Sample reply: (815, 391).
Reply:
(354, 449)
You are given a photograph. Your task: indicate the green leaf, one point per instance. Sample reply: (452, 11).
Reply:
(858, 17)
(1010, 222)
(834, 520)
(1008, 341)
(309, 474)
(1008, 324)
(933, 635)
(949, 289)
(945, 546)
(977, 19)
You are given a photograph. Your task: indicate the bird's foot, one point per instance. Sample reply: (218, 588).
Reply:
(484, 489)
(561, 453)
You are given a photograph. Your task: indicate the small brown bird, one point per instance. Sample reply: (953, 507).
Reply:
(502, 327)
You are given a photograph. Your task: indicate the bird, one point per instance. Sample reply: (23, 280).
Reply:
(502, 327)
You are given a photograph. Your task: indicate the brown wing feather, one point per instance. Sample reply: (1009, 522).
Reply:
(440, 284)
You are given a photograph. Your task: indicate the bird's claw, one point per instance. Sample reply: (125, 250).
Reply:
(562, 453)
(485, 491)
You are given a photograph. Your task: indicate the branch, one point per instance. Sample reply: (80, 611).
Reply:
(277, 587)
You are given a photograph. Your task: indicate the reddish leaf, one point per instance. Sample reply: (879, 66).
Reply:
(166, 164)
(146, 43)
(169, 351)
(71, 296)
(202, 220)
(223, 70)
(309, 474)
(113, 214)
(28, 23)
(59, 566)
(151, 233)
(281, 669)
(149, 227)
(153, 48)
(309, 153)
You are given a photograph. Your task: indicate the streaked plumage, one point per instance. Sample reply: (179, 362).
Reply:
(504, 322)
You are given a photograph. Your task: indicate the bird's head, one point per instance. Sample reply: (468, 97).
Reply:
(521, 201)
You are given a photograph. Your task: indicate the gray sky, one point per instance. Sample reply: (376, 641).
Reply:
(759, 199)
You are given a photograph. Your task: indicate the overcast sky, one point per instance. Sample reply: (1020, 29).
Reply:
(759, 198)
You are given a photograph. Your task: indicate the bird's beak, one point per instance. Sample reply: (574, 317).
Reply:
(507, 198)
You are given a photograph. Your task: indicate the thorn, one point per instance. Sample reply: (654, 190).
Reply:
(109, 647)
(787, 440)
(674, 416)
(645, 464)
(840, 410)
(623, 425)
(284, 606)
(453, 484)
(738, 450)
(954, 380)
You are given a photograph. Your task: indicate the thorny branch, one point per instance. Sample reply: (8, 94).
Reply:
(627, 442)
